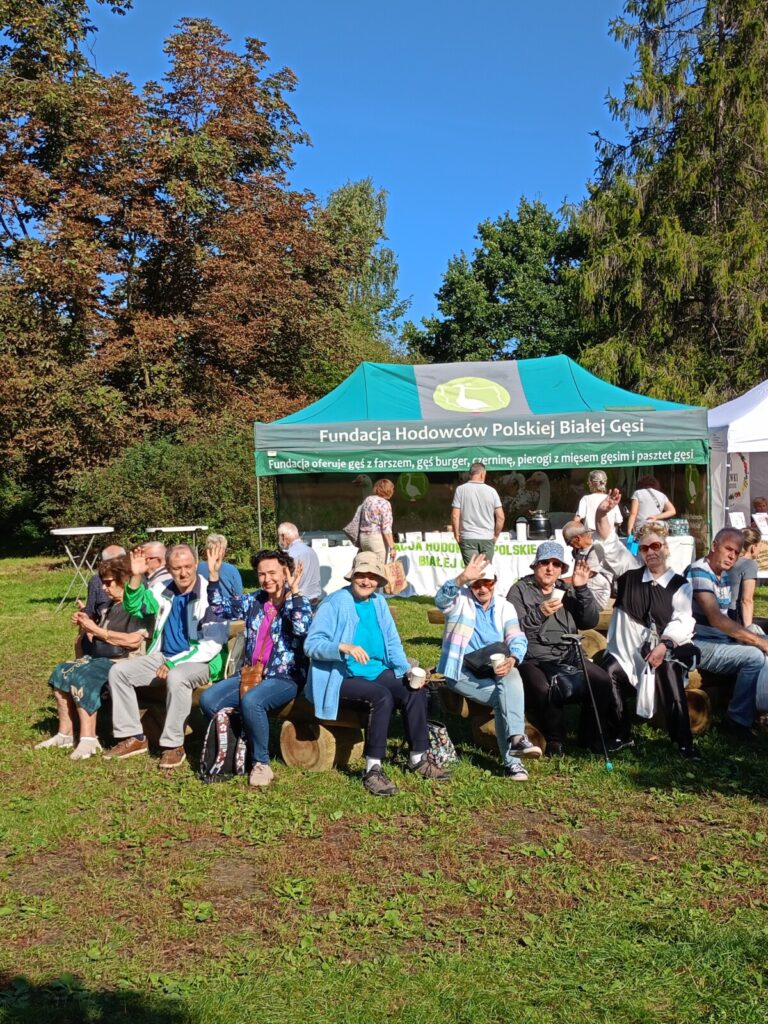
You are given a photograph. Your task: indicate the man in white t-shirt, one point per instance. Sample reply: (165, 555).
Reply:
(477, 516)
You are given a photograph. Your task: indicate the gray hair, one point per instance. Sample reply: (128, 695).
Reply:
(571, 530)
(154, 548)
(728, 531)
(112, 551)
(598, 480)
(289, 529)
(179, 547)
(477, 468)
(216, 538)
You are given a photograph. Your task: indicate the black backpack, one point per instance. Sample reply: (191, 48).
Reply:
(224, 751)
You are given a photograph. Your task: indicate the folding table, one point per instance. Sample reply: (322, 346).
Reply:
(71, 538)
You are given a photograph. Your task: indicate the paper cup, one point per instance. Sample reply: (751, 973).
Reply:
(417, 678)
(496, 659)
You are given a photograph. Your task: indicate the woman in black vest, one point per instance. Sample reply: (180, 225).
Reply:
(652, 624)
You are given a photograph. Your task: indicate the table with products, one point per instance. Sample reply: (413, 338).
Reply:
(433, 558)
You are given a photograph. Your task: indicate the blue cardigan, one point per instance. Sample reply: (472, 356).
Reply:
(335, 623)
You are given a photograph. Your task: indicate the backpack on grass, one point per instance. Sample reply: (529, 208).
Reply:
(224, 752)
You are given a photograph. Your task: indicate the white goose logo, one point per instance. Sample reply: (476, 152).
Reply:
(471, 394)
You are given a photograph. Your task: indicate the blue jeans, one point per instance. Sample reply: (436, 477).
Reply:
(505, 695)
(272, 692)
(727, 657)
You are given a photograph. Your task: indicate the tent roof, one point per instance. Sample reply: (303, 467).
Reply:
(746, 420)
(392, 391)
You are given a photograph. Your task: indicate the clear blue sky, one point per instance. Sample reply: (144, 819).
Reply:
(455, 108)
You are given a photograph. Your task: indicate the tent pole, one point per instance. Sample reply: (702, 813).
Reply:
(258, 509)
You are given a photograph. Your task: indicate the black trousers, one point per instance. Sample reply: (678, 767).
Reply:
(548, 716)
(381, 696)
(670, 696)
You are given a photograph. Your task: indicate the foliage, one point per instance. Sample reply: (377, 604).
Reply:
(578, 896)
(514, 297)
(675, 231)
(353, 220)
(156, 271)
(161, 483)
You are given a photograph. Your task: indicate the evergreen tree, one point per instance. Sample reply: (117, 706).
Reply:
(675, 231)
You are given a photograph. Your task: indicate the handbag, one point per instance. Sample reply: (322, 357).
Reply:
(440, 744)
(396, 578)
(646, 693)
(566, 686)
(479, 662)
(352, 529)
(250, 676)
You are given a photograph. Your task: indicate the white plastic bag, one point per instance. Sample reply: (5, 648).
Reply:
(646, 693)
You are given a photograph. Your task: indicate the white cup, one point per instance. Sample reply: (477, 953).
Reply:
(496, 659)
(417, 678)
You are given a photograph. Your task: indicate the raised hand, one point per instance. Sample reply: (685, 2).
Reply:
(293, 580)
(581, 573)
(138, 563)
(609, 502)
(475, 568)
(214, 556)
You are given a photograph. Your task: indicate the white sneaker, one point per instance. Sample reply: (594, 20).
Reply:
(261, 775)
(86, 748)
(59, 740)
(516, 772)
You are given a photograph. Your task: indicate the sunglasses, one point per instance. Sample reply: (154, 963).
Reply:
(551, 561)
(479, 584)
(106, 583)
(655, 545)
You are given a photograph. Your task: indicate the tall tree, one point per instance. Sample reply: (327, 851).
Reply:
(353, 220)
(515, 297)
(675, 231)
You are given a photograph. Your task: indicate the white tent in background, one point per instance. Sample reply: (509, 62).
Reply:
(738, 438)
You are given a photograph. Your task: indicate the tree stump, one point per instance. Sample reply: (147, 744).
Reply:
(317, 748)
(592, 641)
(694, 680)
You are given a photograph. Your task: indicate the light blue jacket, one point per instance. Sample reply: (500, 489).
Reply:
(335, 623)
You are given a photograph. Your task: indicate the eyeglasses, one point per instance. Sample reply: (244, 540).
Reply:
(551, 561)
(479, 584)
(654, 545)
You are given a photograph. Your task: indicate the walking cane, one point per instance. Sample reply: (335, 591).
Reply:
(575, 638)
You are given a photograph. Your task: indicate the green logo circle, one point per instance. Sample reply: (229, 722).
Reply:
(471, 395)
(413, 486)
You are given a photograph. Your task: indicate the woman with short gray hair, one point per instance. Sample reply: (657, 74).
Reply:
(598, 486)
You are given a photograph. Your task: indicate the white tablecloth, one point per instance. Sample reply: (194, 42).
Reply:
(428, 564)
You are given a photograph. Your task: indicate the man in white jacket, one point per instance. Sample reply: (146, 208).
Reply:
(179, 654)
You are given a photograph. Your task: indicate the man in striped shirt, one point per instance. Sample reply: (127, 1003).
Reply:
(726, 647)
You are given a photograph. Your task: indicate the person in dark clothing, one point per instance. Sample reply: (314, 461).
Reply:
(652, 625)
(547, 610)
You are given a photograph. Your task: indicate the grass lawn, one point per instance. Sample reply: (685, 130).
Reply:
(581, 896)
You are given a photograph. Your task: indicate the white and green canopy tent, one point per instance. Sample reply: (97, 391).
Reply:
(517, 416)
(523, 414)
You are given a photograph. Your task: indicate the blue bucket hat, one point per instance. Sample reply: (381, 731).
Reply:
(550, 549)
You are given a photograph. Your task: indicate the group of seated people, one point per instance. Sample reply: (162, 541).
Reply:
(159, 617)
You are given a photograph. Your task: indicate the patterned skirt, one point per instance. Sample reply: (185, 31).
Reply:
(83, 679)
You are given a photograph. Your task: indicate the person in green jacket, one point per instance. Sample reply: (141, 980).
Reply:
(182, 653)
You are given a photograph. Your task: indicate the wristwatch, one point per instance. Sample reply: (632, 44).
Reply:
(669, 644)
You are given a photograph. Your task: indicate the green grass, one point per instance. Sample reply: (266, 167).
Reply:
(578, 897)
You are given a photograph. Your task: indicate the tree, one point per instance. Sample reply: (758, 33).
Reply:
(675, 231)
(353, 220)
(514, 297)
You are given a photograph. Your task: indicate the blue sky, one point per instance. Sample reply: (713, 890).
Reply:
(456, 109)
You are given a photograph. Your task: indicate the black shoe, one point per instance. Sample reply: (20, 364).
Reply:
(689, 752)
(737, 730)
(553, 749)
(521, 746)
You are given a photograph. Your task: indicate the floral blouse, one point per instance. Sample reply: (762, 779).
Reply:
(375, 515)
(288, 630)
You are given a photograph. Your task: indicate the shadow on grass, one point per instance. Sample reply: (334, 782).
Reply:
(729, 767)
(65, 1001)
(50, 600)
